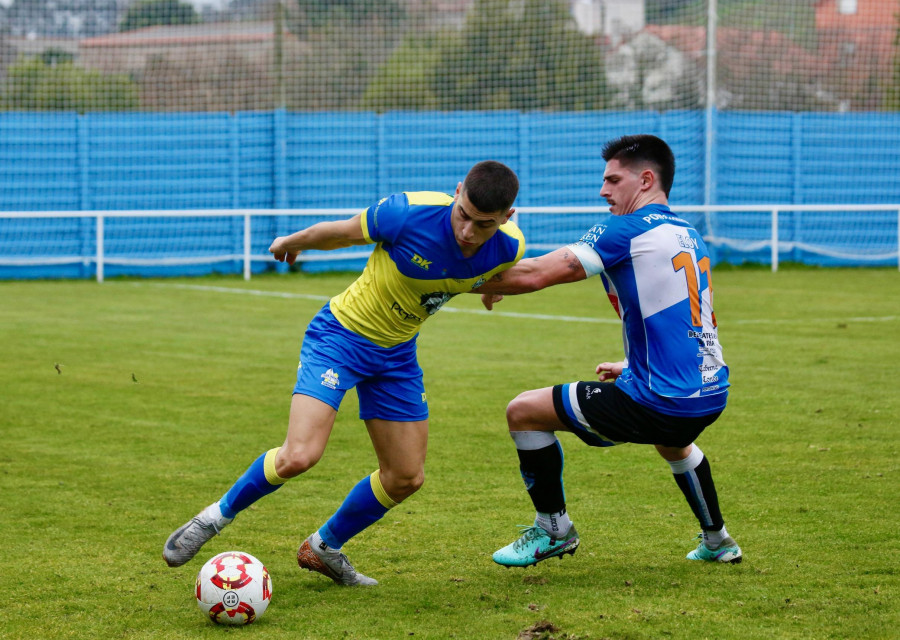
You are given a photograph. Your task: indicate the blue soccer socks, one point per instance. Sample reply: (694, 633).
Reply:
(259, 480)
(365, 505)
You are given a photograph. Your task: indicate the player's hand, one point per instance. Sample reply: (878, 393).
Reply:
(488, 300)
(280, 253)
(608, 371)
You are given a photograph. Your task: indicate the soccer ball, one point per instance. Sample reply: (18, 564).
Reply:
(233, 588)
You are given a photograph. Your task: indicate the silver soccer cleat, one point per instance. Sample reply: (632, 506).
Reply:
(315, 555)
(185, 542)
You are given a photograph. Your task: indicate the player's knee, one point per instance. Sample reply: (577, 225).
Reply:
(410, 484)
(517, 412)
(293, 462)
(400, 486)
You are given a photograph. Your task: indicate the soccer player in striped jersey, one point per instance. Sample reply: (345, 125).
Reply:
(429, 247)
(673, 382)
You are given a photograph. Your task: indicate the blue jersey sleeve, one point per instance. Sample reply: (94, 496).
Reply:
(610, 240)
(385, 220)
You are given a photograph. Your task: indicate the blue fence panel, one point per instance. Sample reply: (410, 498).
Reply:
(255, 160)
(332, 160)
(39, 169)
(148, 161)
(429, 151)
(64, 161)
(850, 158)
(685, 133)
(751, 168)
(840, 238)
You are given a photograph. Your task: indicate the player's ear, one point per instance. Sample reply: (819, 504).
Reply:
(458, 189)
(648, 179)
(509, 215)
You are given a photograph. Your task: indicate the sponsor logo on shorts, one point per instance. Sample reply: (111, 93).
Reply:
(330, 379)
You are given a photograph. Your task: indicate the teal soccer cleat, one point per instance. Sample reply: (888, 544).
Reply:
(728, 552)
(535, 545)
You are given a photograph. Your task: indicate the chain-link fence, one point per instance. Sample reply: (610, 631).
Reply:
(558, 55)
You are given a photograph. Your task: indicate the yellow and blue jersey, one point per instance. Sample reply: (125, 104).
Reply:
(416, 266)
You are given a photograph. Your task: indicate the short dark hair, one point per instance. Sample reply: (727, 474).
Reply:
(642, 149)
(491, 186)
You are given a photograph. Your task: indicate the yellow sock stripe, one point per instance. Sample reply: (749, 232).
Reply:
(380, 494)
(269, 467)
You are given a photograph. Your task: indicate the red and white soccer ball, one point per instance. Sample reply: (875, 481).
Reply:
(233, 588)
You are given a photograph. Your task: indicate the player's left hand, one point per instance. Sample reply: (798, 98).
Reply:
(488, 300)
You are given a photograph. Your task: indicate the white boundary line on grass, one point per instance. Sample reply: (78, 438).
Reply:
(502, 314)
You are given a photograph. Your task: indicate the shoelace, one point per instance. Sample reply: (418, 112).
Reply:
(191, 537)
(529, 533)
(343, 562)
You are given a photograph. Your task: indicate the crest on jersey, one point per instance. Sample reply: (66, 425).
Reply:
(432, 302)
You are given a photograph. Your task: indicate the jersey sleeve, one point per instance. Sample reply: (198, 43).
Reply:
(589, 258)
(603, 245)
(382, 222)
(587, 252)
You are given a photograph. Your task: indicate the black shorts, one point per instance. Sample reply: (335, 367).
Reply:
(603, 415)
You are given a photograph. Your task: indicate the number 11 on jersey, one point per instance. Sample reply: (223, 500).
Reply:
(684, 261)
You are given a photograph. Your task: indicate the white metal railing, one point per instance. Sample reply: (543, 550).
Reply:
(776, 245)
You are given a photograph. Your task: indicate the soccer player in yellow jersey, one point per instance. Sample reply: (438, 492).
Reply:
(429, 247)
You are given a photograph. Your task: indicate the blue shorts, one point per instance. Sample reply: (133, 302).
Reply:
(388, 380)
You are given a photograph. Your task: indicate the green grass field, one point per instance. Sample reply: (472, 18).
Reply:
(167, 389)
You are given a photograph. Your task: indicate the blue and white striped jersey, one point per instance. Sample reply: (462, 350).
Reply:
(657, 273)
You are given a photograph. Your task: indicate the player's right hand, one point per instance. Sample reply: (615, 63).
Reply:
(280, 253)
(607, 371)
(488, 300)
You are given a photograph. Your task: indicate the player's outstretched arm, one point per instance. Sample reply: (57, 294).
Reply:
(534, 274)
(323, 236)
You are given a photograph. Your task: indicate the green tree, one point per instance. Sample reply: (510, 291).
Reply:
(149, 13)
(520, 55)
(316, 13)
(33, 85)
(401, 83)
(344, 44)
(54, 56)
